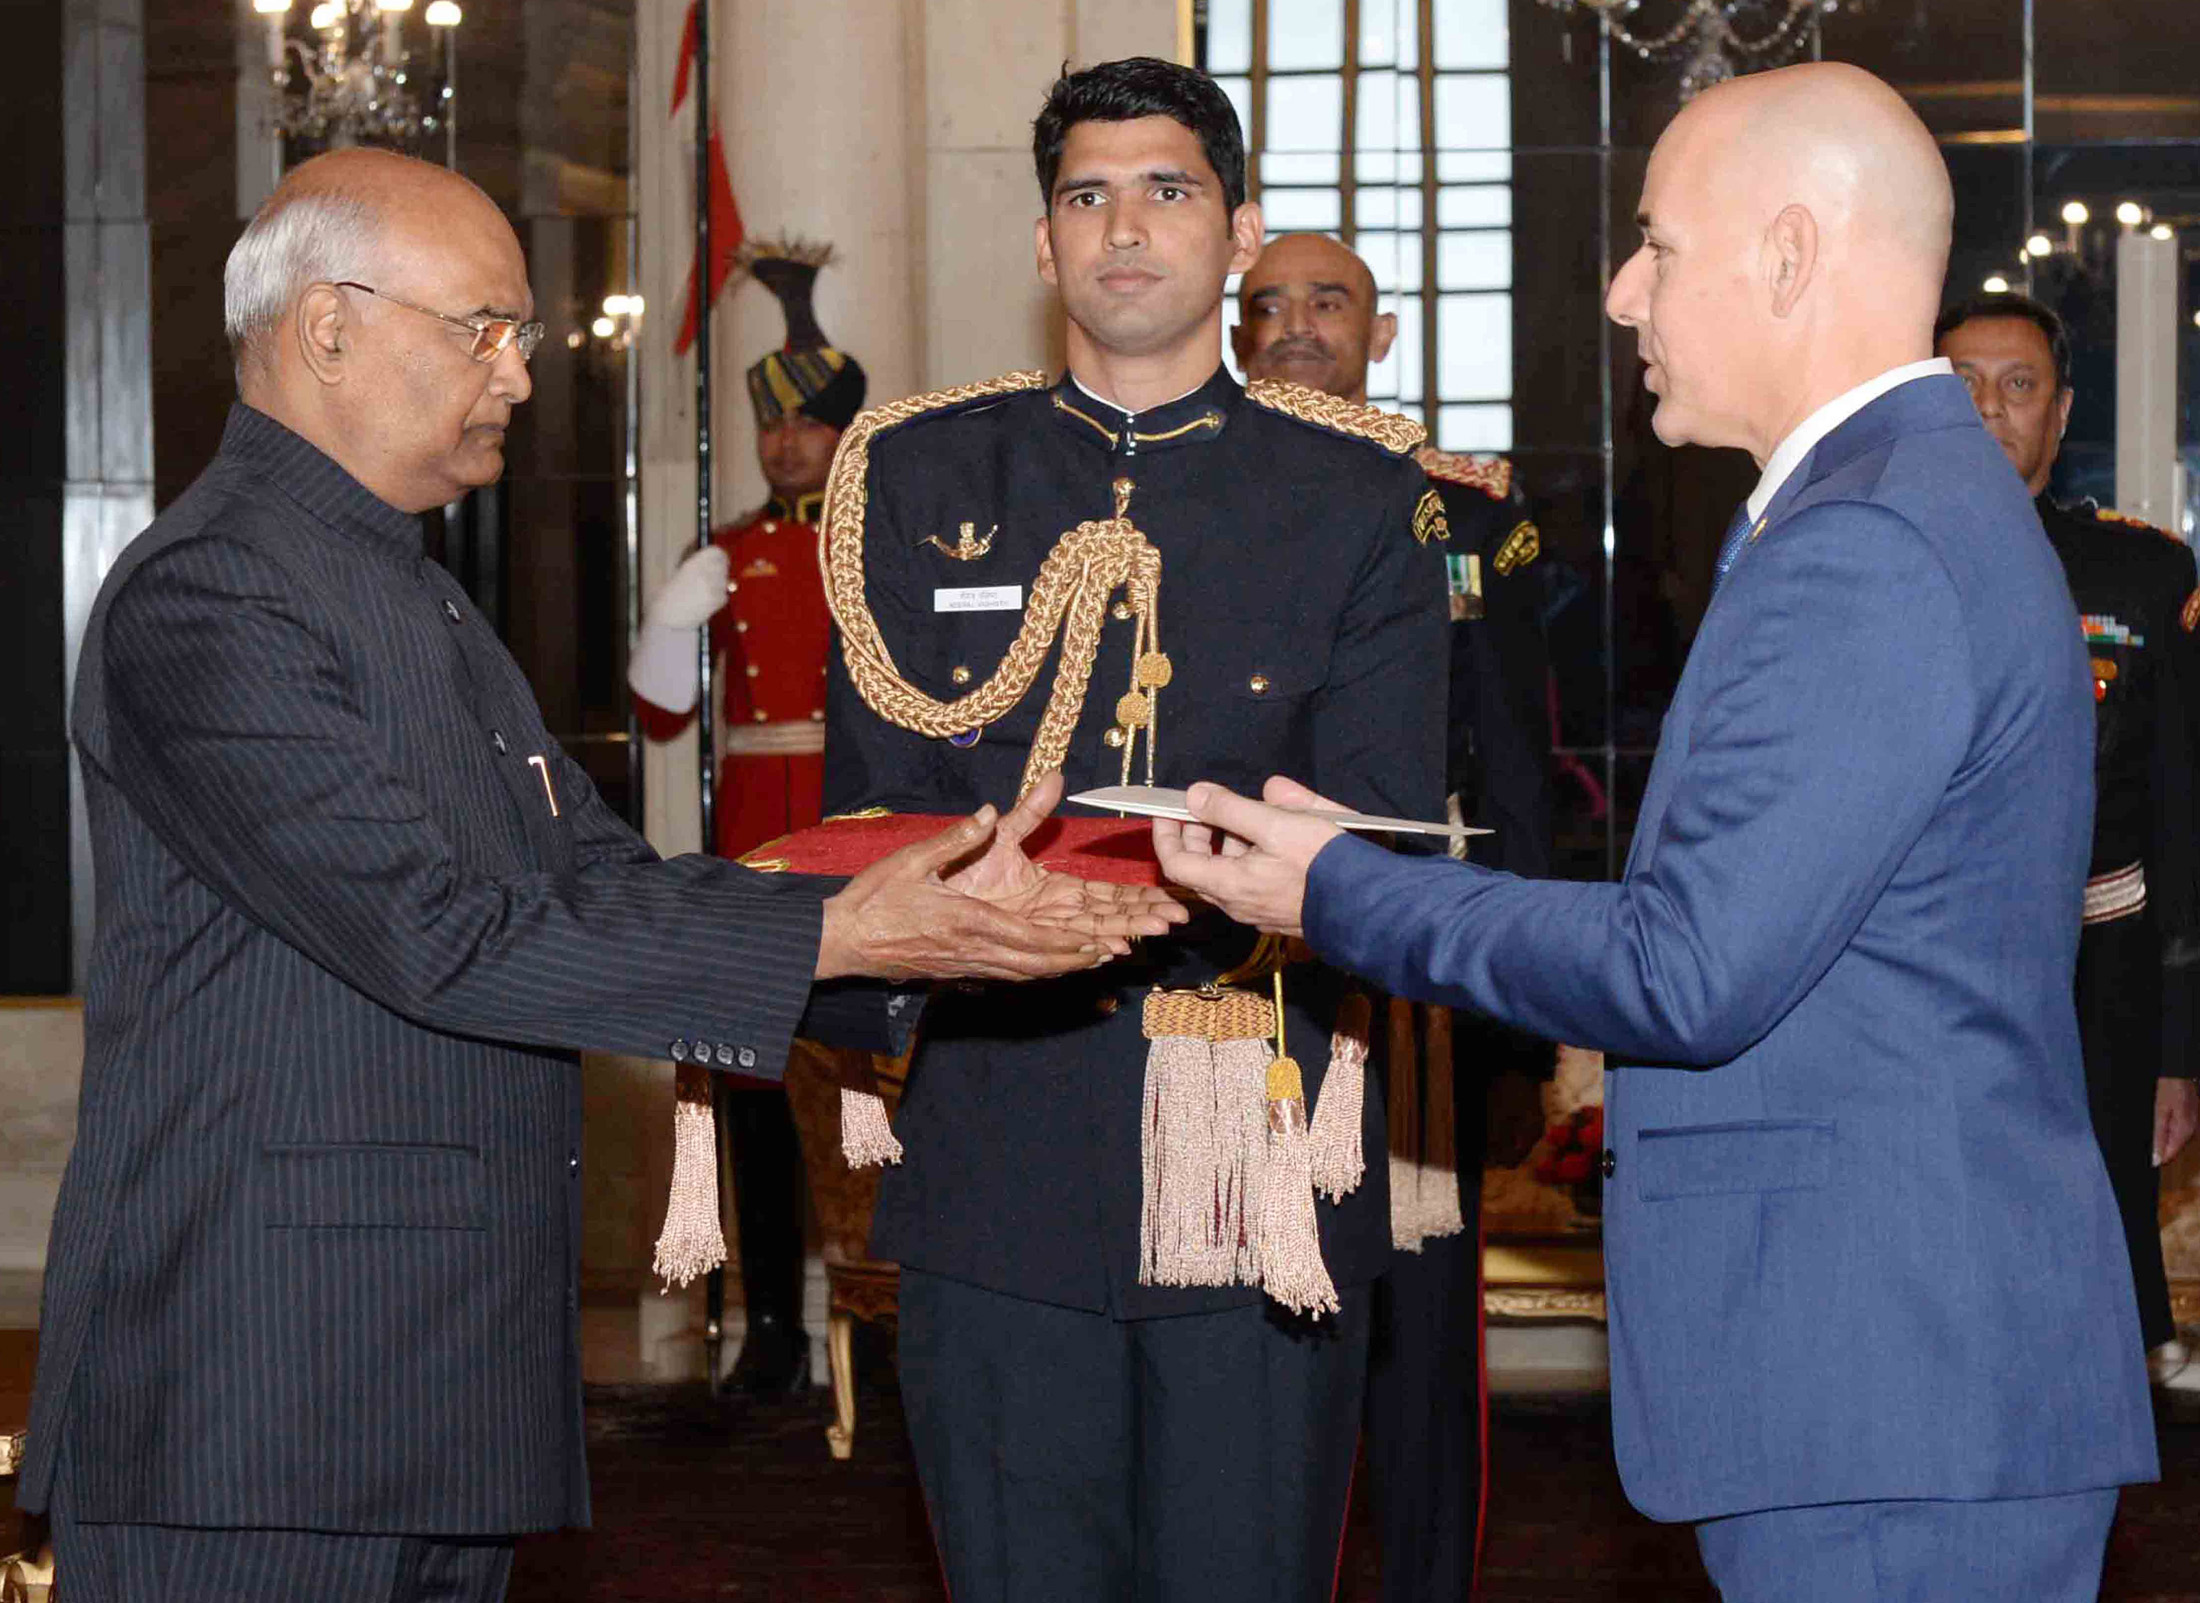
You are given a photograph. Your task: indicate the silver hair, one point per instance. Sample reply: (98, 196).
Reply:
(320, 236)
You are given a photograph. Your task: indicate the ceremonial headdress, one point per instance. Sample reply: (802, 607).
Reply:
(806, 375)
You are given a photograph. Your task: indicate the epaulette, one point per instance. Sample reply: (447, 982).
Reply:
(1492, 475)
(877, 419)
(2111, 515)
(1395, 434)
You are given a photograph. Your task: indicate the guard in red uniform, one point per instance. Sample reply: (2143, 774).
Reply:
(757, 587)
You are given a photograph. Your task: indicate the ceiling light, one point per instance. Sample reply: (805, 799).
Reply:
(2075, 214)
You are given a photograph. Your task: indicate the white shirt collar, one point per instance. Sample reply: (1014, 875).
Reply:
(1127, 412)
(1788, 455)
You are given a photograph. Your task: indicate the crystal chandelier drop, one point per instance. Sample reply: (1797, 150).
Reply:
(1712, 39)
(353, 77)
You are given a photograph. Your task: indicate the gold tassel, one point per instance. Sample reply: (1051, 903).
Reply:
(1290, 1244)
(1339, 1159)
(1202, 1137)
(867, 1137)
(692, 1242)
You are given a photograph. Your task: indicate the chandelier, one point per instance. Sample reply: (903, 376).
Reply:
(354, 79)
(1712, 39)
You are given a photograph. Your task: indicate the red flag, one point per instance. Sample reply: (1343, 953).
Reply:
(725, 243)
(687, 57)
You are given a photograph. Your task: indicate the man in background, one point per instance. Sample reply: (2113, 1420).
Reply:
(757, 586)
(2139, 953)
(1307, 314)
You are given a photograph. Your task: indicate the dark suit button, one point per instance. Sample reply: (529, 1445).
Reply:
(496, 739)
(679, 1051)
(725, 1054)
(1610, 1163)
(450, 609)
(747, 1057)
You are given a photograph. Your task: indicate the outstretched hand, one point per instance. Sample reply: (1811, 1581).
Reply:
(967, 903)
(1248, 857)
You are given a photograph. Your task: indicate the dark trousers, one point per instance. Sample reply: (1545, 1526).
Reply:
(2119, 995)
(1427, 1415)
(1425, 1419)
(2033, 1549)
(1073, 1456)
(766, 1155)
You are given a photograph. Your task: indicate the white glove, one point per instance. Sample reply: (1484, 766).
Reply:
(693, 595)
(662, 667)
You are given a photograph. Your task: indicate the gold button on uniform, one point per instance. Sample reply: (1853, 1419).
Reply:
(1115, 737)
(961, 675)
(1120, 612)
(750, 670)
(1258, 684)
(740, 626)
(1107, 1006)
(762, 716)
(817, 715)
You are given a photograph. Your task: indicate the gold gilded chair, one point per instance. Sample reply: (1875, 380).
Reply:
(858, 1286)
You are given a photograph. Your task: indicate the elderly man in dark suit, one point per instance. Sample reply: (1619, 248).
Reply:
(309, 1322)
(1872, 1322)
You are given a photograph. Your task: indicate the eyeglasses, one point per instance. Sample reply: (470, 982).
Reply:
(491, 334)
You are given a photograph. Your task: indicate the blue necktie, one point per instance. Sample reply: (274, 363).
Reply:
(1737, 533)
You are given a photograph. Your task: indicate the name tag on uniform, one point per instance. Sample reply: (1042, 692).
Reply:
(980, 598)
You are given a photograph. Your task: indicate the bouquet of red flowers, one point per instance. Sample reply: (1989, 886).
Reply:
(1570, 1148)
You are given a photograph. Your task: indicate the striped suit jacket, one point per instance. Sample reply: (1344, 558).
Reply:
(315, 1258)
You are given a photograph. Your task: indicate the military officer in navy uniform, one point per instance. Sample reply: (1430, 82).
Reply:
(1307, 313)
(1079, 1434)
(757, 585)
(2139, 956)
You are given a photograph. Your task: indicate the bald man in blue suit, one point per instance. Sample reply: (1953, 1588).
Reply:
(1871, 1319)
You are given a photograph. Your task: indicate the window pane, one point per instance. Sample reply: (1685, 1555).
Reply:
(1394, 259)
(1375, 166)
(1406, 353)
(1475, 206)
(1381, 23)
(1295, 211)
(1289, 167)
(1305, 34)
(1389, 113)
(1474, 261)
(1229, 36)
(1471, 33)
(1474, 111)
(1474, 347)
(1305, 113)
(1474, 166)
(1387, 206)
(1240, 91)
(1475, 428)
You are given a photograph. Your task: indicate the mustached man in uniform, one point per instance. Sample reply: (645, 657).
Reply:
(1082, 1433)
(2139, 955)
(1306, 313)
(757, 587)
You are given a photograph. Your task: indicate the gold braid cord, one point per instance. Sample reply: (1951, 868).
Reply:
(1086, 566)
(1398, 435)
(1493, 476)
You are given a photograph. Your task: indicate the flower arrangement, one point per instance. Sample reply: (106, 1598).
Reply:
(1568, 1155)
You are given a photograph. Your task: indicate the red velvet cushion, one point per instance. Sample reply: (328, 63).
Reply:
(1114, 849)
